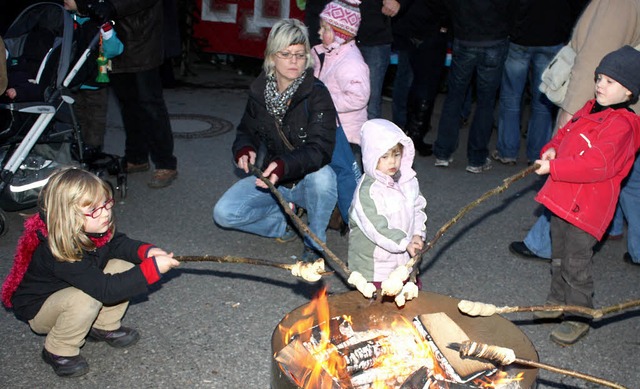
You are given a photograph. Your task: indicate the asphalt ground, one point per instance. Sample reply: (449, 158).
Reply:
(209, 325)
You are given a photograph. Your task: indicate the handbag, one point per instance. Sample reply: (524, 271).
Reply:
(556, 76)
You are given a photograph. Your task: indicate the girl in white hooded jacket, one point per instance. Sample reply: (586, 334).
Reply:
(387, 219)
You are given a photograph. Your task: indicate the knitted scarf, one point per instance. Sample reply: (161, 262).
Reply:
(277, 103)
(27, 245)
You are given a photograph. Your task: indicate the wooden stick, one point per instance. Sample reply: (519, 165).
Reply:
(464, 210)
(506, 356)
(472, 308)
(302, 227)
(232, 259)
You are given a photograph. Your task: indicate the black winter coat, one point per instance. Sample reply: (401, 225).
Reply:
(139, 25)
(46, 275)
(309, 125)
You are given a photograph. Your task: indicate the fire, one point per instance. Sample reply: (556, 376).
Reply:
(324, 352)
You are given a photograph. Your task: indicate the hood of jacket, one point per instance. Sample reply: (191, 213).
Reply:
(377, 137)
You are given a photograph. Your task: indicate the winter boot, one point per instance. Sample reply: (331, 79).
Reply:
(418, 123)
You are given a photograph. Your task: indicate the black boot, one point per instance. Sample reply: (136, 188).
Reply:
(418, 123)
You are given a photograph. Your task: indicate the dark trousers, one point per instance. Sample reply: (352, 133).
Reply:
(571, 264)
(145, 118)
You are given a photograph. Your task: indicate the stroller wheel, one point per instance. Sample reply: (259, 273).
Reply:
(122, 185)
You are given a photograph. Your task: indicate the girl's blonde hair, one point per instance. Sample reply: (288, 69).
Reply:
(285, 33)
(61, 200)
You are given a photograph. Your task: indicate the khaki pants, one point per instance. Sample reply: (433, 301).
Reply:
(68, 315)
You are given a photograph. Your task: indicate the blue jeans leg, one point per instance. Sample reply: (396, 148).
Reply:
(247, 208)
(543, 111)
(377, 58)
(630, 204)
(514, 79)
(488, 76)
(538, 239)
(463, 64)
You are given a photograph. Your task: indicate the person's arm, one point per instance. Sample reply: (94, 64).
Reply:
(355, 88)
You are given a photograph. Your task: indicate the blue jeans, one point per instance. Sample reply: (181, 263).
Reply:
(487, 64)
(514, 78)
(247, 208)
(538, 239)
(377, 59)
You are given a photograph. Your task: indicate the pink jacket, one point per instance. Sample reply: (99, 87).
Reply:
(594, 153)
(346, 75)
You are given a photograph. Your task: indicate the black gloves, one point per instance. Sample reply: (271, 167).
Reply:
(100, 11)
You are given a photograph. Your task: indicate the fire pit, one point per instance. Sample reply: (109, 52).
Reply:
(364, 317)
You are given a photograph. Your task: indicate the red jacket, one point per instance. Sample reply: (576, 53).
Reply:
(594, 153)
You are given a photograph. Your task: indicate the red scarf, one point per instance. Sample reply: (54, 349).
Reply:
(27, 245)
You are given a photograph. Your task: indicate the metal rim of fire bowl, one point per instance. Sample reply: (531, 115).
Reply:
(495, 330)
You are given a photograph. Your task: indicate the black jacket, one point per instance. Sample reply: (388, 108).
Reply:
(476, 20)
(545, 22)
(139, 25)
(309, 125)
(375, 27)
(45, 276)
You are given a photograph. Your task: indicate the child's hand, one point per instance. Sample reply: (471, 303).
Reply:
(157, 251)
(415, 245)
(166, 262)
(549, 154)
(544, 167)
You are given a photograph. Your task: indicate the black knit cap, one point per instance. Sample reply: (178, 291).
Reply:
(623, 65)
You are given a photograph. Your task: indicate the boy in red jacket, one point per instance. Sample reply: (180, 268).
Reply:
(586, 162)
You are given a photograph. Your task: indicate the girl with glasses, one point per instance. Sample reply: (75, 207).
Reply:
(63, 279)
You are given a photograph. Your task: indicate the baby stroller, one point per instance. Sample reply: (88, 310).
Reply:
(38, 137)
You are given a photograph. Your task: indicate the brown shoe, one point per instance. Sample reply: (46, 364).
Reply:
(162, 178)
(137, 167)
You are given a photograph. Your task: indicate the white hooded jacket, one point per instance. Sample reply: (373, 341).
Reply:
(386, 211)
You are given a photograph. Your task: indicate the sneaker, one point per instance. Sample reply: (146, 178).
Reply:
(520, 249)
(289, 235)
(137, 167)
(309, 255)
(66, 366)
(569, 332)
(504, 160)
(480, 169)
(162, 178)
(442, 162)
(122, 337)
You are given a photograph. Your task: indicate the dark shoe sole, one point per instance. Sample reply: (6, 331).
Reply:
(64, 371)
(521, 250)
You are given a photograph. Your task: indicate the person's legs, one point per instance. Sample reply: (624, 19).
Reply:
(514, 78)
(136, 150)
(377, 58)
(462, 67)
(110, 315)
(630, 203)
(543, 111)
(538, 239)
(66, 317)
(401, 85)
(318, 194)
(488, 77)
(248, 208)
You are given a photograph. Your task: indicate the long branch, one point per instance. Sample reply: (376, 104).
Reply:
(302, 227)
(249, 261)
(464, 210)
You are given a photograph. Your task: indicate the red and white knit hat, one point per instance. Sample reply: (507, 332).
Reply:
(344, 18)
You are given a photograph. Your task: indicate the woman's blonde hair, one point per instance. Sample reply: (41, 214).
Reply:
(285, 33)
(61, 200)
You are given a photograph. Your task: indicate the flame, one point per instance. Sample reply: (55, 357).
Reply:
(402, 352)
(500, 380)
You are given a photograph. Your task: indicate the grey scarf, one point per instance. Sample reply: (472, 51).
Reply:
(277, 103)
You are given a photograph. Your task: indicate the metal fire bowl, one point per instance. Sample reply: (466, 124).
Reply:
(494, 330)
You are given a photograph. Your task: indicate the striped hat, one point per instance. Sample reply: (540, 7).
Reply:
(344, 18)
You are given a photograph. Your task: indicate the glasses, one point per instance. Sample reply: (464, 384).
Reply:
(98, 211)
(288, 55)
